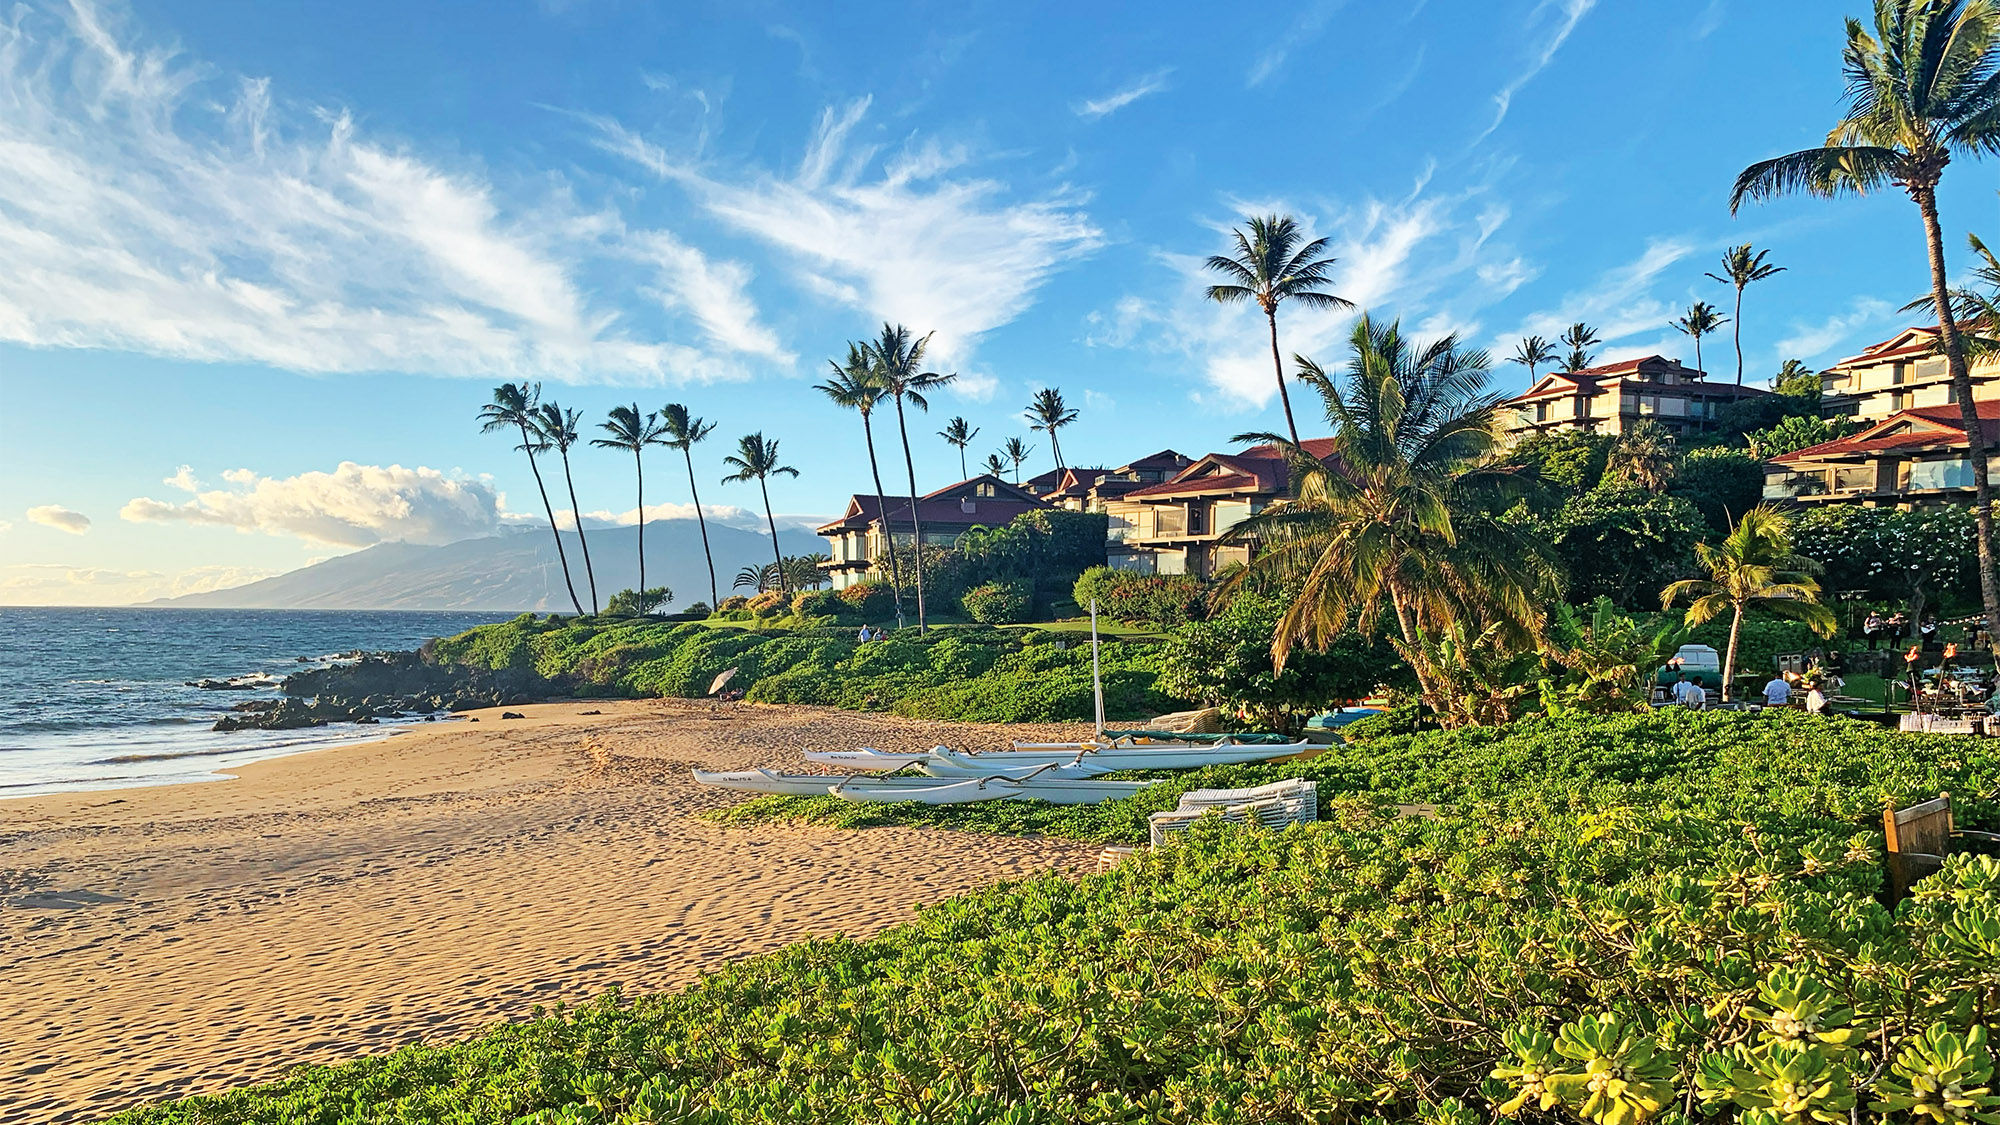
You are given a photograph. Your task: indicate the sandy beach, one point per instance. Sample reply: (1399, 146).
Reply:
(184, 939)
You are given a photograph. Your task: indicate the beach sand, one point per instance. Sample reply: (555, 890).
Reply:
(185, 939)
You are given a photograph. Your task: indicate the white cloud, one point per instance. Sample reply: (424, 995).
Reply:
(60, 584)
(153, 206)
(60, 518)
(352, 506)
(5, 527)
(903, 236)
(1113, 102)
(1303, 30)
(1619, 303)
(715, 293)
(1809, 342)
(1568, 13)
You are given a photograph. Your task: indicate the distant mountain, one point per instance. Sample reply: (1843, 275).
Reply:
(514, 571)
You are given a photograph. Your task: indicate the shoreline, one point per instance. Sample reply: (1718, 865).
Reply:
(185, 938)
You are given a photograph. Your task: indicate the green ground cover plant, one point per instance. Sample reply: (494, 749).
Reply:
(1662, 918)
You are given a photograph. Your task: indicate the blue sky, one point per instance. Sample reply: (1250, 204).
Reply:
(291, 247)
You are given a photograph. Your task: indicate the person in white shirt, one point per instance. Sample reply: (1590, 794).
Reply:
(1815, 699)
(1689, 694)
(1777, 693)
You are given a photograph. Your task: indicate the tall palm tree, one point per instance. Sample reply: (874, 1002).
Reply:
(513, 408)
(757, 459)
(1701, 320)
(1404, 513)
(558, 428)
(633, 432)
(1016, 451)
(1752, 568)
(1740, 267)
(897, 367)
(1920, 90)
(1271, 266)
(681, 430)
(1580, 338)
(998, 467)
(853, 387)
(1049, 413)
(960, 433)
(1643, 455)
(1532, 352)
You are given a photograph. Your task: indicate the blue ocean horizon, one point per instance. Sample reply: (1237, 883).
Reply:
(97, 698)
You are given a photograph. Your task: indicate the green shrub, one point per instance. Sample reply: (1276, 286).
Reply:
(818, 603)
(1162, 599)
(733, 601)
(999, 603)
(872, 602)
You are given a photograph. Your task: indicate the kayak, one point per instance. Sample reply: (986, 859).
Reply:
(944, 792)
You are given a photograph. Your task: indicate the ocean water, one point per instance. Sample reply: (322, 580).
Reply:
(97, 698)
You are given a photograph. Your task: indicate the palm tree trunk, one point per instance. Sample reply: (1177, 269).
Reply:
(576, 513)
(714, 595)
(1729, 661)
(1968, 411)
(1278, 363)
(882, 509)
(553, 529)
(916, 521)
(1738, 324)
(963, 474)
(1056, 446)
(771, 523)
(639, 463)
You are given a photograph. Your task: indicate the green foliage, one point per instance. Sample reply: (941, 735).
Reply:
(1226, 662)
(1159, 599)
(1624, 542)
(1607, 919)
(1892, 554)
(1572, 460)
(818, 603)
(637, 603)
(1605, 664)
(999, 603)
(1721, 483)
(1796, 432)
(869, 602)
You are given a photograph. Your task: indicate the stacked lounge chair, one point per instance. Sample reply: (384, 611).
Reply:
(1273, 806)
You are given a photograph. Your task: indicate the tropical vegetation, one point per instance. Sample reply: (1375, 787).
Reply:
(1273, 263)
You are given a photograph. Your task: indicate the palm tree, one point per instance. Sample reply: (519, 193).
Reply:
(1271, 267)
(1699, 321)
(1580, 338)
(998, 467)
(757, 459)
(1016, 451)
(1752, 568)
(557, 427)
(853, 387)
(1403, 513)
(1740, 267)
(514, 408)
(633, 432)
(1049, 413)
(1920, 90)
(1531, 352)
(960, 433)
(757, 578)
(681, 430)
(1644, 456)
(897, 367)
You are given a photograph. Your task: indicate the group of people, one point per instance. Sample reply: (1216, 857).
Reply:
(1894, 628)
(1687, 692)
(872, 633)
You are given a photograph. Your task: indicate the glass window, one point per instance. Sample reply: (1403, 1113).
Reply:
(1229, 513)
(1956, 473)
(1855, 478)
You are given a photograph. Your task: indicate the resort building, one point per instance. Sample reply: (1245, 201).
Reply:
(1088, 490)
(858, 538)
(1913, 458)
(1905, 371)
(1176, 526)
(1609, 398)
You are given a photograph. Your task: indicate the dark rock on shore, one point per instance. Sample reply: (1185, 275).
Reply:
(378, 686)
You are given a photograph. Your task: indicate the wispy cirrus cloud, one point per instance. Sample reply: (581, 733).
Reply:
(905, 234)
(353, 506)
(59, 518)
(1562, 17)
(151, 205)
(1303, 29)
(1111, 103)
(1620, 302)
(1812, 341)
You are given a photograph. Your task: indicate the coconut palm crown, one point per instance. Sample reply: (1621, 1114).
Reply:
(1049, 413)
(756, 458)
(1700, 320)
(1274, 263)
(558, 428)
(897, 366)
(1532, 352)
(853, 387)
(959, 433)
(1753, 568)
(513, 407)
(680, 429)
(1742, 265)
(632, 432)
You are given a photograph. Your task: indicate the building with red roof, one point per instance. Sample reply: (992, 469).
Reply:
(1609, 398)
(1914, 457)
(1903, 372)
(862, 534)
(1178, 526)
(1088, 490)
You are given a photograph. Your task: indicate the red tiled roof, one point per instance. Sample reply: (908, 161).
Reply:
(1883, 349)
(941, 507)
(1873, 440)
(1260, 468)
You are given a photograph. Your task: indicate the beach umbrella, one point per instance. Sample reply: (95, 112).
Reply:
(722, 680)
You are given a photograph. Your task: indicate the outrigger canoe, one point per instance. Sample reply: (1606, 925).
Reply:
(1126, 758)
(946, 792)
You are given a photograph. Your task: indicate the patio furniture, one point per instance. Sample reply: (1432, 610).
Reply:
(1919, 839)
(1274, 806)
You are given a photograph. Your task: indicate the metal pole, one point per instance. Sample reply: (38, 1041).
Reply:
(1096, 674)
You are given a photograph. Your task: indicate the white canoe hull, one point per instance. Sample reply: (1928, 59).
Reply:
(866, 758)
(947, 792)
(766, 781)
(1123, 759)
